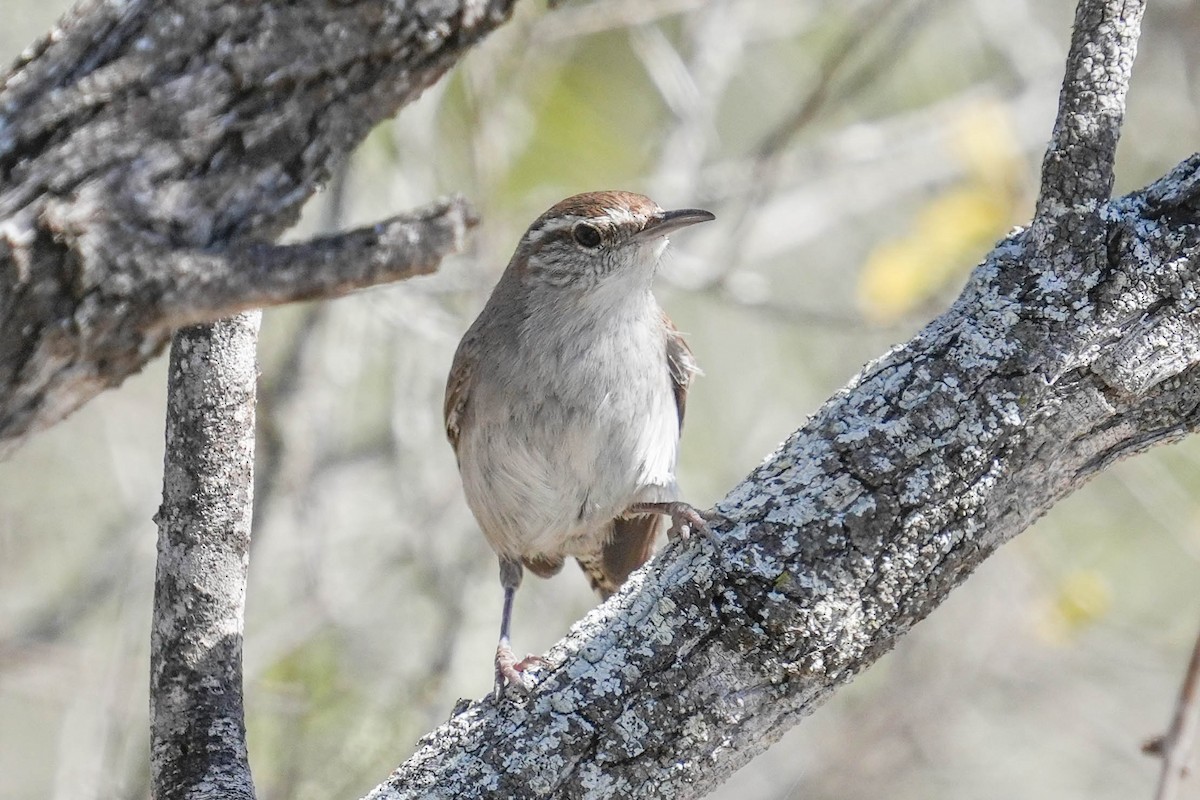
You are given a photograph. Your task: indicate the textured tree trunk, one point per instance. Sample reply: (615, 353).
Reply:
(150, 152)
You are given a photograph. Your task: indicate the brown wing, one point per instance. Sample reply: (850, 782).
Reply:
(681, 364)
(457, 384)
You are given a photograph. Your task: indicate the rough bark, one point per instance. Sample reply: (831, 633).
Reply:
(197, 721)
(151, 149)
(1073, 345)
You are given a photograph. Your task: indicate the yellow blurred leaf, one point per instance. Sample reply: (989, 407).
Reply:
(953, 229)
(1080, 599)
(1083, 597)
(945, 239)
(985, 143)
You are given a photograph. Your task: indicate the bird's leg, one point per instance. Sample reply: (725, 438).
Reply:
(508, 668)
(685, 518)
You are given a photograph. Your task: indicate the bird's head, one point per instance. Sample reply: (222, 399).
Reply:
(586, 240)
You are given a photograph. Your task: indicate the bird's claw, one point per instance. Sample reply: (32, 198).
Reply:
(510, 671)
(686, 519)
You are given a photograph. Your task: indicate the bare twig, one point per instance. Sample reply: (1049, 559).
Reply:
(1175, 747)
(765, 171)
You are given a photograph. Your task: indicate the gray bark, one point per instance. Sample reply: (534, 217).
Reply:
(1073, 345)
(197, 720)
(150, 150)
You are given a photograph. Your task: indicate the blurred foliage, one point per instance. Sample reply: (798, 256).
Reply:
(1083, 597)
(861, 157)
(955, 228)
(587, 123)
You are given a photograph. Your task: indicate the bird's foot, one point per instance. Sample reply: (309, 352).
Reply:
(510, 671)
(686, 519)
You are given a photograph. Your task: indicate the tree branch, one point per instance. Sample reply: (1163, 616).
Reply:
(1078, 167)
(197, 721)
(143, 142)
(1064, 353)
(199, 285)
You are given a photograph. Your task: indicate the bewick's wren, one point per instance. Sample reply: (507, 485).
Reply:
(566, 397)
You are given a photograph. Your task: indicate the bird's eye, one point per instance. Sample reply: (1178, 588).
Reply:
(586, 235)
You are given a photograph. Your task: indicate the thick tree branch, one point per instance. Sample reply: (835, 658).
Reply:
(145, 143)
(1072, 346)
(198, 732)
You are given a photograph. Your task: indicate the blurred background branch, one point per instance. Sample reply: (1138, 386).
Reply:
(1175, 747)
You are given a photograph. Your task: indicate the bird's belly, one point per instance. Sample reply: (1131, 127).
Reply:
(552, 472)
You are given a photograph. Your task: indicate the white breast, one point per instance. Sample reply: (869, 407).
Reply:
(567, 440)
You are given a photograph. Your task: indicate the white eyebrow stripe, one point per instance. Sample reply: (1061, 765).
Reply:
(559, 223)
(550, 226)
(622, 216)
(617, 216)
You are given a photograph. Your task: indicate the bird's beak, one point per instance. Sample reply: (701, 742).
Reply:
(670, 221)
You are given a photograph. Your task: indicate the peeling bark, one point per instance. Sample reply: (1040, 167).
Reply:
(150, 150)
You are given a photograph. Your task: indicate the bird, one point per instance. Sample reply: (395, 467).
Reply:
(565, 401)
